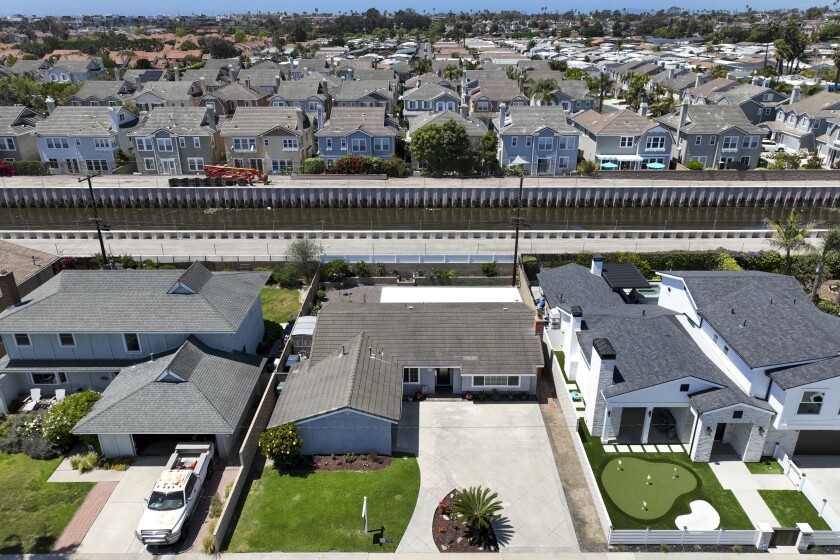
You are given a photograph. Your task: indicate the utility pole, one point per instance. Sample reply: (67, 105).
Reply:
(518, 219)
(96, 218)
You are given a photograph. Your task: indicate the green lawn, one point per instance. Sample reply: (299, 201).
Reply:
(33, 511)
(767, 465)
(790, 507)
(279, 304)
(708, 488)
(321, 511)
(627, 484)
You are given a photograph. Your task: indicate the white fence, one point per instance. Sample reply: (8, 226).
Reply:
(821, 538)
(800, 480)
(423, 259)
(663, 536)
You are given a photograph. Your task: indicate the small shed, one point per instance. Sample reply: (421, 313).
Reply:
(302, 333)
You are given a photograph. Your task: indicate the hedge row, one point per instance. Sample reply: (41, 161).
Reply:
(357, 165)
(30, 167)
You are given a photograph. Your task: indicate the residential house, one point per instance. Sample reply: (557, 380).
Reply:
(572, 95)
(83, 139)
(368, 93)
(799, 123)
(470, 79)
(35, 68)
(486, 99)
(427, 78)
(167, 94)
(273, 139)
(676, 83)
(108, 93)
(699, 94)
(428, 98)
(828, 144)
(303, 67)
(310, 95)
(363, 131)
(348, 395)
(176, 141)
(758, 103)
(537, 139)
(174, 344)
(623, 140)
(75, 71)
(22, 269)
(476, 129)
(228, 98)
(718, 136)
(346, 68)
(17, 134)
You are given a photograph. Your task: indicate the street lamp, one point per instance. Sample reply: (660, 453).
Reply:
(96, 219)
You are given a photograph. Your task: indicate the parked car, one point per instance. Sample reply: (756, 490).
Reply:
(175, 494)
(768, 145)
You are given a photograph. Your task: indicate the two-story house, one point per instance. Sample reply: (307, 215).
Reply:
(17, 134)
(273, 139)
(623, 140)
(698, 95)
(362, 131)
(166, 347)
(176, 141)
(427, 78)
(572, 95)
(799, 123)
(75, 71)
(476, 129)
(167, 94)
(537, 139)
(228, 98)
(828, 145)
(718, 136)
(470, 79)
(486, 99)
(83, 139)
(367, 93)
(428, 98)
(108, 93)
(757, 102)
(310, 95)
(675, 81)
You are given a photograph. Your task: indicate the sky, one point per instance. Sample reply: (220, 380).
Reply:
(63, 7)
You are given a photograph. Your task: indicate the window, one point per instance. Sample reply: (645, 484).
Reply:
(102, 143)
(196, 141)
(655, 143)
(626, 141)
(266, 142)
(514, 141)
(726, 350)
(738, 414)
(57, 143)
(182, 142)
(545, 144)
(715, 338)
(7, 143)
(66, 339)
(730, 143)
(281, 165)
(767, 110)
(701, 159)
(816, 123)
(566, 143)
(411, 375)
(562, 162)
(312, 106)
(745, 160)
(132, 342)
(344, 143)
(698, 140)
(805, 122)
(811, 402)
(244, 144)
(768, 97)
(149, 164)
(164, 145)
(528, 141)
(328, 143)
(195, 164)
(496, 381)
(143, 144)
(22, 339)
(381, 144)
(49, 378)
(482, 106)
(712, 140)
(290, 143)
(750, 142)
(684, 388)
(358, 145)
(96, 165)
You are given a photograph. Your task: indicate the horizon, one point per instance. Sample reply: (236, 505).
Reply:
(43, 8)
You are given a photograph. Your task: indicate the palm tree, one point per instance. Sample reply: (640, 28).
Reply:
(789, 235)
(478, 507)
(835, 57)
(542, 90)
(451, 72)
(603, 84)
(830, 244)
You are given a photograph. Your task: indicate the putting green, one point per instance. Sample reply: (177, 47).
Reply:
(627, 485)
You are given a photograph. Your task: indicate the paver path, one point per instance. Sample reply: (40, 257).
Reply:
(81, 523)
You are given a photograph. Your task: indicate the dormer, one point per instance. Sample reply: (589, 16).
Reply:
(168, 376)
(191, 282)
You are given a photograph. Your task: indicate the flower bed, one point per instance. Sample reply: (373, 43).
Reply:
(348, 462)
(452, 535)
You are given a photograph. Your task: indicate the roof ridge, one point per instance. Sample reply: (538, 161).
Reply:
(351, 386)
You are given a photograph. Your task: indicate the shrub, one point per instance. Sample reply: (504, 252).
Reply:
(126, 261)
(362, 269)
(320, 294)
(38, 448)
(6, 170)
(86, 462)
(168, 267)
(337, 269)
(396, 167)
(312, 166)
(694, 165)
(61, 417)
(149, 264)
(830, 307)
(727, 262)
(285, 276)
(441, 273)
(813, 162)
(587, 167)
(477, 507)
(531, 266)
(380, 270)
(215, 506)
(490, 269)
(373, 457)
(208, 545)
(30, 168)
(281, 443)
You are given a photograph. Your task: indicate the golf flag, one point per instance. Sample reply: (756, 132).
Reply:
(364, 513)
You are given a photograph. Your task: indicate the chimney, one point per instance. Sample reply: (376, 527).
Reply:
(569, 338)
(465, 111)
(602, 374)
(643, 109)
(670, 73)
(756, 81)
(597, 265)
(319, 119)
(117, 73)
(698, 81)
(113, 114)
(680, 124)
(9, 289)
(766, 82)
(177, 74)
(247, 81)
(211, 107)
(277, 80)
(521, 83)
(50, 105)
(419, 82)
(796, 94)
(502, 115)
(234, 73)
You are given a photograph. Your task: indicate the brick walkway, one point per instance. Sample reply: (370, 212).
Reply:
(78, 527)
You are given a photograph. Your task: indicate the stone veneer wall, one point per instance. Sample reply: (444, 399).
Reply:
(751, 445)
(785, 438)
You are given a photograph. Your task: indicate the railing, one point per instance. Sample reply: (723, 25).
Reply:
(664, 536)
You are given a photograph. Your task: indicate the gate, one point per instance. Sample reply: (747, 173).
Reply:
(784, 537)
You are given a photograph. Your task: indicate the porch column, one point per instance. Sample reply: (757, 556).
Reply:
(605, 431)
(646, 425)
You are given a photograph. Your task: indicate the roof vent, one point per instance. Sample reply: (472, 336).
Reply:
(733, 311)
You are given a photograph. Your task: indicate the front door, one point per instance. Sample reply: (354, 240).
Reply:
(167, 167)
(721, 428)
(257, 163)
(443, 378)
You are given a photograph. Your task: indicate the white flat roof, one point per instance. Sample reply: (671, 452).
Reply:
(449, 294)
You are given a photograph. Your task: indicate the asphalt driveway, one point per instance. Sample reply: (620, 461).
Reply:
(501, 445)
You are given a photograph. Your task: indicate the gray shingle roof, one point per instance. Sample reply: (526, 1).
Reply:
(429, 91)
(77, 121)
(573, 285)
(474, 127)
(135, 301)
(354, 380)
(497, 90)
(103, 89)
(528, 120)
(815, 104)
(237, 91)
(354, 90)
(710, 87)
(299, 90)
(18, 120)
(795, 376)
(256, 121)
(215, 392)
(344, 120)
(481, 338)
(169, 91)
(615, 123)
(180, 121)
(782, 325)
(715, 399)
(710, 119)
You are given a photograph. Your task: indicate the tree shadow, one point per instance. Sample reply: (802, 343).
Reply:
(503, 530)
(302, 467)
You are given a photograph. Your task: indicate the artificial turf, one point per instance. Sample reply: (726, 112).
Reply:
(767, 465)
(790, 507)
(625, 479)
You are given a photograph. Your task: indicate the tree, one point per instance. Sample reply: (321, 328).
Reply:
(218, 47)
(488, 151)
(573, 73)
(443, 147)
(828, 245)
(542, 90)
(422, 65)
(239, 36)
(451, 72)
(789, 235)
(281, 443)
(478, 508)
(305, 256)
(188, 46)
(835, 58)
(143, 64)
(603, 85)
(718, 71)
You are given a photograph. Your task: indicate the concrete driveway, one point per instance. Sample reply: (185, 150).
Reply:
(500, 445)
(113, 530)
(823, 471)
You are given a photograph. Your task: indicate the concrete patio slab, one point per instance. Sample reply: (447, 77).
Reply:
(610, 448)
(650, 448)
(622, 448)
(637, 449)
(677, 448)
(663, 448)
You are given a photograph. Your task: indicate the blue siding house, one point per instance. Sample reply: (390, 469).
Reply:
(538, 139)
(357, 131)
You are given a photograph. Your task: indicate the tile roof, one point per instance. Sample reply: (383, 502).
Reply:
(256, 121)
(616, 123)
(216, 391)
(364, 378)
(135, 301)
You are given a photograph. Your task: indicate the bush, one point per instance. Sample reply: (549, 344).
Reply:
(813, 162)
(830, 307)
(86, 462)
(441, 273)
(266, 269)
(313, 166)
(727, 262)
(337, 269)
(36, 447)
(362, 269)
(694, 165)
(281, 443)
(126, 261)
(215, 506)
(587, 167)
(30, 168)
(490, 269)
(63, 416)
(380, 270)
(149, 264)
(168, 267)
(286, 276)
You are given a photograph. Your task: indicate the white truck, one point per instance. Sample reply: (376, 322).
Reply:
(175, 494)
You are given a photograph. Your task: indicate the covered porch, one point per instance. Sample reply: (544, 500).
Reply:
(619, 162)
(641, 425)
